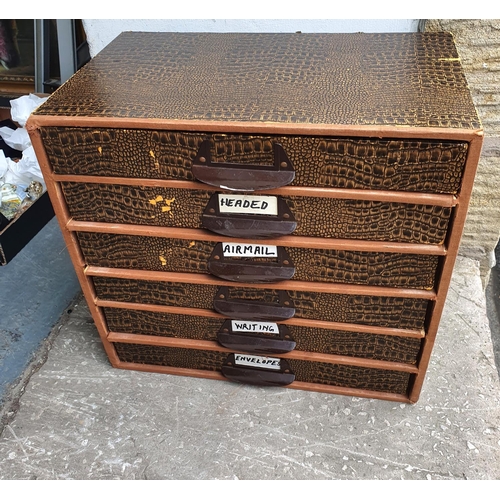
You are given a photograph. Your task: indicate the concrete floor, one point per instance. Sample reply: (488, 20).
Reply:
(35, 288)
(492, 294)
(78, 418)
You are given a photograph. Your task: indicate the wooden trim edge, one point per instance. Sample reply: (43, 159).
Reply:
(304, 386)
(201, 279)
(301, 322)
(208, 345)
(406, 197)
(325, 129)
(291, 241)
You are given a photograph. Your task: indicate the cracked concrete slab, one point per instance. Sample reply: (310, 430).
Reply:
(81, 419)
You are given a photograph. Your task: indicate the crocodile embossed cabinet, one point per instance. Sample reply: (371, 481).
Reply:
(274, 209)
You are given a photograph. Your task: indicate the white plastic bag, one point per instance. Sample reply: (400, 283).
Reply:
(24, 171)
(22, 107)
(16, 139)
(4, 166)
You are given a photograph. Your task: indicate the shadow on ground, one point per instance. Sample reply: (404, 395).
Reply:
(493, 307)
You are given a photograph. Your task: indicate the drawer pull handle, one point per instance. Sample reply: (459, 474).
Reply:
(252, 309)
(256, 370)
(247, 269)
(242, 216)
(241, 177)
(249, 336)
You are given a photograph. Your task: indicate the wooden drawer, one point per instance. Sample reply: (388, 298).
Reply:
(365, 309)
(184, 208)
(335, 162)
(288, 262)
(311, 372)
(392, 346)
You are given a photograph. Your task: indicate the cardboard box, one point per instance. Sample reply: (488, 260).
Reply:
(19, 231)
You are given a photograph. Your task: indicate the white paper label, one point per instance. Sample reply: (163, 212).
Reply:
(257, 361)
(248, 250)
(254, 327)
(248, 204)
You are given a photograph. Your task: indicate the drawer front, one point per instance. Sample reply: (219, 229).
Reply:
(322, 340)
(317, 265)
(346, 219)
(392, 312)
(305, 371)
(354, 163)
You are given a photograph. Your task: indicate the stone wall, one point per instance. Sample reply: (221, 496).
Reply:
(478, 44)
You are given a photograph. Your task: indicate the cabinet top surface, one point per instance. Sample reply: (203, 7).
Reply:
(396, 79)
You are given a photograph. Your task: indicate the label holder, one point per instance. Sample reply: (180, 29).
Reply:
(248, 269)
(256, 375)
(238, 225)
(253, 340)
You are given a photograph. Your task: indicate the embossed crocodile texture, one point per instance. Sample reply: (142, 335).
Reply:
(412, 79)
(393, 312)
(419, 165)
(340, 342)
(350, 376)
(399, 222)
(162, 324)
(379, 112)
(305, 371)
(170, 356)
(333, 266)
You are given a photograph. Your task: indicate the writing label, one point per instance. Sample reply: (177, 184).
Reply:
(254, 326)
(248, 250)
(248, 204)
(257, 361)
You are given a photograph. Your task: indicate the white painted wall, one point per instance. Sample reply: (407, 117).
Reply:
(101, 31)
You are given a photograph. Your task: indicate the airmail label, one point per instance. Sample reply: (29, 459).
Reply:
(248, 204)
(254, 327)
(257, 361)
(248, 250)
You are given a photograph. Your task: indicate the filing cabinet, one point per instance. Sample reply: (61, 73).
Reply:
(273, 209)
